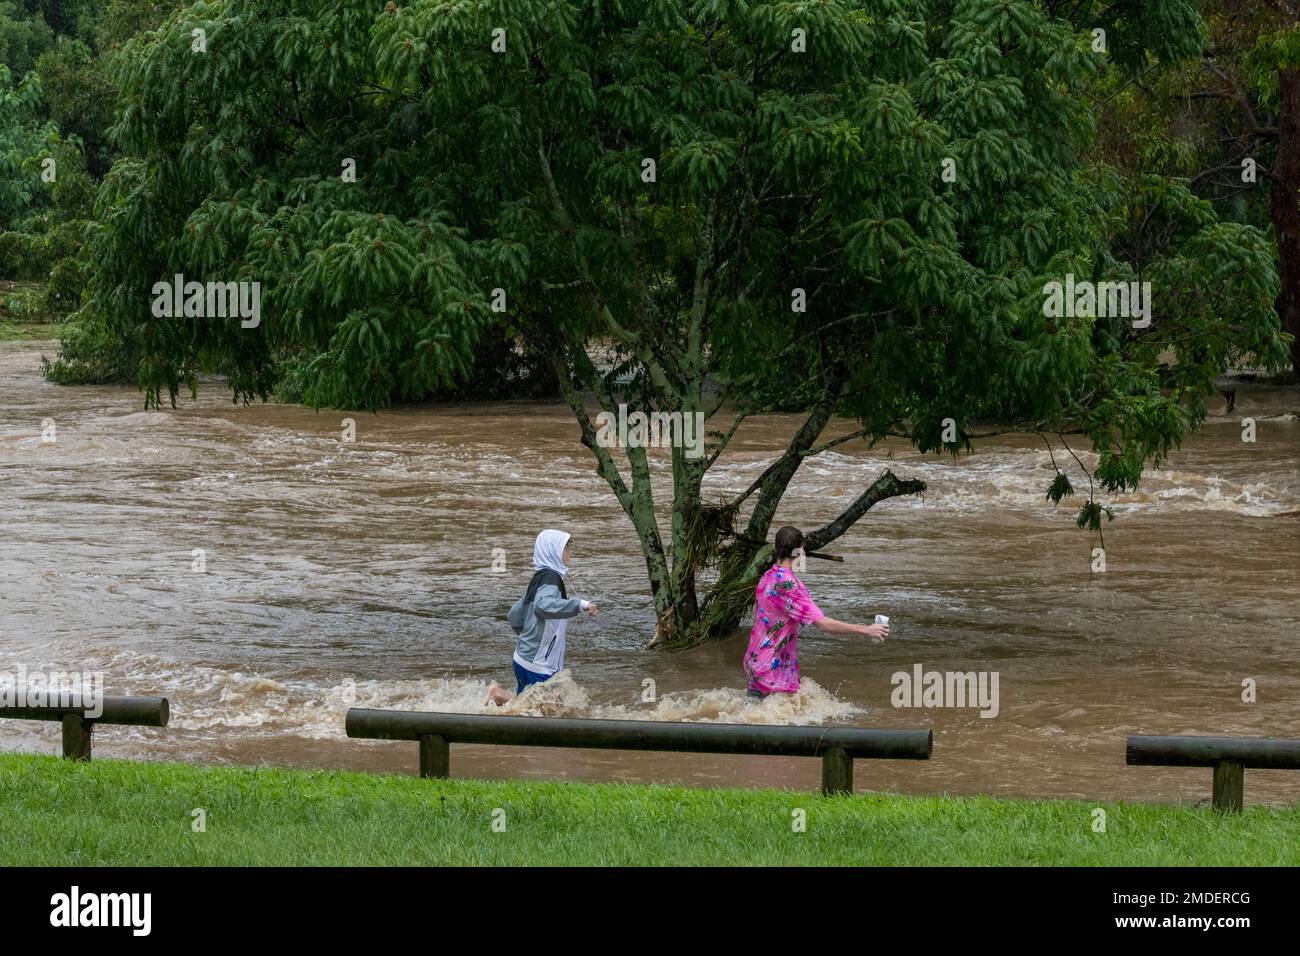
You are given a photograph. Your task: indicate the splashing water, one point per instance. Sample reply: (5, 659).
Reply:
(562, 696)
(213, 700)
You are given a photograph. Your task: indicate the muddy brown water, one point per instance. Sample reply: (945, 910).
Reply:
(362, 573)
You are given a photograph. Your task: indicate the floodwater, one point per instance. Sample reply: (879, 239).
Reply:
(340, 573)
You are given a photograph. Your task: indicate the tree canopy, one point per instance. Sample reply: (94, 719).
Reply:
(713, 207)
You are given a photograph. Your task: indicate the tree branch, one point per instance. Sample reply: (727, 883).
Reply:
(887, 485)
(725, 439)
(623, 334)
(605, 466)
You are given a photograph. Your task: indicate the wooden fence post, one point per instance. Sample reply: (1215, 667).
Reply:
(837, 772)
(435, 756)
(1229, 784)
(77, 735)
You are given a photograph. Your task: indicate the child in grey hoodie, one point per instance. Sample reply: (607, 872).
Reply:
(540, 616)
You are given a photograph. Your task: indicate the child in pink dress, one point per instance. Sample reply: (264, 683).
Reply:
(782, 605)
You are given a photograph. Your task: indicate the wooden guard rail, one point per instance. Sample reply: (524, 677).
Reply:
(837, 746)
(78, 729)
(1229, 756)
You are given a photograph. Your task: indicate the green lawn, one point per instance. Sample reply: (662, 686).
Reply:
(21, 315)
(124, 812)
(26, 330)
(31, 331)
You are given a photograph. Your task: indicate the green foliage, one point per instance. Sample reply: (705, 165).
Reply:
(372, 289)
(56, 105)
(22, 305)
(40, 255)
(1090, 516)
(123, 19)
(66, 281)
(80, 98)
(1273, 50)
(90, 353)
(22, 255)
(1060, 488)
(1140, 32)
(525, 170)
(25, 142)
(65, 17)
(23, 38)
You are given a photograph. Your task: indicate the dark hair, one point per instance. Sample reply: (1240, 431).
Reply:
(787, 540)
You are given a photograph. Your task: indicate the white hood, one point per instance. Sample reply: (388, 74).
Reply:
(549, 550)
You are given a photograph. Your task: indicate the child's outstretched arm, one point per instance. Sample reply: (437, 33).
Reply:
(877, 632)
(548, 604)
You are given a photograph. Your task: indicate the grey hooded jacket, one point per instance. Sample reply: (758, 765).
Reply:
(540, 625)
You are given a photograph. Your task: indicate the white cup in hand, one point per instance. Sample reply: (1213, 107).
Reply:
(882, 620)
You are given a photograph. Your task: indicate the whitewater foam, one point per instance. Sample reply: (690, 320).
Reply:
(206, 698)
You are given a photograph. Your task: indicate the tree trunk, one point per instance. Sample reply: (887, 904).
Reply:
(1284, 206)
(744, 560)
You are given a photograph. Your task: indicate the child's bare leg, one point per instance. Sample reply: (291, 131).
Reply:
(495, 695)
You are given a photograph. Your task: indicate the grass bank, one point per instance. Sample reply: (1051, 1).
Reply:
(127, 813)
(22, 313)
(31, 331)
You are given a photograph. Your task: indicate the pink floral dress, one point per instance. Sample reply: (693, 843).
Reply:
(781, 606)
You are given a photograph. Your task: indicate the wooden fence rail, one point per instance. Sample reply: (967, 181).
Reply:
(1229, 756)
(78, 728)
(837, 746)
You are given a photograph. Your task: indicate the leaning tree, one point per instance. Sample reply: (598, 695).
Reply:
(713, 208)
